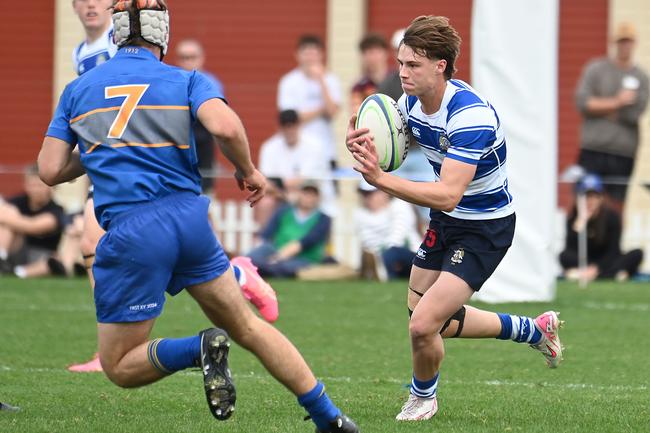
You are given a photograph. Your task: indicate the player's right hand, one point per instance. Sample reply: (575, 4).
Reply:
(255, 183)
(354, 135)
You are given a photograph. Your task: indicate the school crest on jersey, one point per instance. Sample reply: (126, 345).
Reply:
(443, 142)
(101, 59)
(457, 258)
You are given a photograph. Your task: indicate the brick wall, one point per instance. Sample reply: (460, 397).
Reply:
(583, 35)
(25, 84)
(386, 17)
(249, 49)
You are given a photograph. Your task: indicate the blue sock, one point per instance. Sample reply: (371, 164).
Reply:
(173, 354)
(519, 328)
(424, 388)
(319, 406)
(239, 275)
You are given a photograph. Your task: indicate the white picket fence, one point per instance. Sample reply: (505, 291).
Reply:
(234, 224)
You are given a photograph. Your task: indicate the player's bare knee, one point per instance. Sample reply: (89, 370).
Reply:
(87, 245)
(112, 372)
(119, 376)
(421, 331)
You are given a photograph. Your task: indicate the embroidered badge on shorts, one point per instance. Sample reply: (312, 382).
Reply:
(457, 258)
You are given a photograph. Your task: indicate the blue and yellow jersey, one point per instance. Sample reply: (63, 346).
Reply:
(132, 118)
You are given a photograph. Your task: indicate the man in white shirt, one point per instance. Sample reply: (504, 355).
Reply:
(293, 154)
(313, 92)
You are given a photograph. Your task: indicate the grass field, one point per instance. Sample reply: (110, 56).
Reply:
(355, 337)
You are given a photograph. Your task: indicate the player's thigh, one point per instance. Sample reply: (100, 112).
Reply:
(446, 296)
(92, 231)
(419, 283)
(222, 301)
(115, 340)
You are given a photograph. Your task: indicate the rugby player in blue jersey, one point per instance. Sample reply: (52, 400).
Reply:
(131, 120)
(472, 218)
(97, 48)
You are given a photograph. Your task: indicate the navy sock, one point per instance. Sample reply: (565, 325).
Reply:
(173, 354)
(519, 328)
(319, 406)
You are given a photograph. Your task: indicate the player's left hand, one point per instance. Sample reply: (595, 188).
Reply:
(365, 154)
(255, 183)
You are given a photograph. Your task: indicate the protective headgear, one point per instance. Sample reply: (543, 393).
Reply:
(148, 19)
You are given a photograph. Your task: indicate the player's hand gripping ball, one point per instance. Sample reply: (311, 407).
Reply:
(381, 115)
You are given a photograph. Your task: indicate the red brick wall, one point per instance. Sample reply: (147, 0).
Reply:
(386, 17)
(249, 48)
(249, 52)
(583, 35)
(26, 62)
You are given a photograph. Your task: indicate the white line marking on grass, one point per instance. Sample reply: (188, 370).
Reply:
(256, 376)
(589, 386)
(616, 306)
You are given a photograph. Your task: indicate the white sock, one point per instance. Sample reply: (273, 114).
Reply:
(20, 272)
(3, 254)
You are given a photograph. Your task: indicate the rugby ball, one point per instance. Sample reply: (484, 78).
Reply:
(381, 115)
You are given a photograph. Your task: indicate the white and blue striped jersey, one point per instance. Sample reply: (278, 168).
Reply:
(465, 128)
(86, 56)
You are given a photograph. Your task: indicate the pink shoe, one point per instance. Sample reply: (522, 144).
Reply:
(550, 346)
(256, 290)
(91, 366)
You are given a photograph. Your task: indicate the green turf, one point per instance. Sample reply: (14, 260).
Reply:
(355, 337)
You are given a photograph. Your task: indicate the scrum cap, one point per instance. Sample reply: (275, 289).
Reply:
(148, 19)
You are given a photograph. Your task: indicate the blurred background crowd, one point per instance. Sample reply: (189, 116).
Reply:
(295, 127)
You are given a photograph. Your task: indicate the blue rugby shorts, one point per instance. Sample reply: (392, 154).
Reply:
(153, 248)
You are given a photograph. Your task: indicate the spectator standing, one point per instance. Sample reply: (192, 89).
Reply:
(603, 226)
(374, 67)
(295, 237)
(31, 225)
(191, 56)
(313, 92)
(611, 96)
(392, 85)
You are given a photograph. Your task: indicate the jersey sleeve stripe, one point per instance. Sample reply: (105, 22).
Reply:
(462, 158)
(472, 128)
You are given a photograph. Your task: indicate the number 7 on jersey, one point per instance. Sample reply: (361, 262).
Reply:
(132, 93)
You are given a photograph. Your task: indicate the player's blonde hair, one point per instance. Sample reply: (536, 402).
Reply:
(433, 37)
